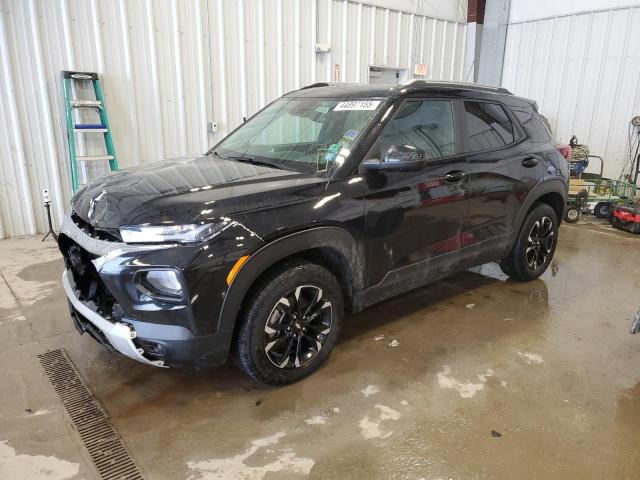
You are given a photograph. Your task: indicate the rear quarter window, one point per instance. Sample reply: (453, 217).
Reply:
(487, 126)
(533, 125)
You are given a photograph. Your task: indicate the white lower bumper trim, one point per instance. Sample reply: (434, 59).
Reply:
(120, 336)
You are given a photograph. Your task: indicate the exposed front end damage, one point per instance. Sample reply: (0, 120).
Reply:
(107, 300)
(115, 336)
(93, 308)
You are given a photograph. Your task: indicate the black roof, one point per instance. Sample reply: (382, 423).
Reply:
(360, 90)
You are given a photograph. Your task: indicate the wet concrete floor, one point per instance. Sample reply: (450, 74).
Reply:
(470, 378)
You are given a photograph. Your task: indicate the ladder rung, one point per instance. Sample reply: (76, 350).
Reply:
(80, 75)
(86, 103)
(90, 126)
(91, 158)
(90, 130)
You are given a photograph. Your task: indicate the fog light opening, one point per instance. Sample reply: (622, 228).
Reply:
(160, 284)
(153, 350)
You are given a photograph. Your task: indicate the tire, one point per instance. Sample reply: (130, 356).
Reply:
(581, 197)
(541, 226)
(601, 210)
(572, 214)
(271, 323)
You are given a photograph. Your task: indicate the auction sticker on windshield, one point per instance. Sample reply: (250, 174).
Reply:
(357, 105)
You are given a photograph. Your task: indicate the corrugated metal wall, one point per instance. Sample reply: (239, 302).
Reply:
(170, 67)
(584, 72)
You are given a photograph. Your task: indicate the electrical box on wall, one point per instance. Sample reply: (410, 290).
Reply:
(323, 48)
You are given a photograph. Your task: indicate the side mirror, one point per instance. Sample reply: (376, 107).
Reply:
(399, 158)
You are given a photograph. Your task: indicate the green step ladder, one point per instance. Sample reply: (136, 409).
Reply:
(83, 128)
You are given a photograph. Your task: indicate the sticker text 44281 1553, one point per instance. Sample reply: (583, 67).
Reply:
(357, 105)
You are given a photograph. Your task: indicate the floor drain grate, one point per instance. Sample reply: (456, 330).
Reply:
(110, 456)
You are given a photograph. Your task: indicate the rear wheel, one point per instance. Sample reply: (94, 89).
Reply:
(535, 245)
(602, 209)
(290, 324)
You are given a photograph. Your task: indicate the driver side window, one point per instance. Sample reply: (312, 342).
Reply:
(424, 124)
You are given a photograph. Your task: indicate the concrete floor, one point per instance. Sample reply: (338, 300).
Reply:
(548, 365)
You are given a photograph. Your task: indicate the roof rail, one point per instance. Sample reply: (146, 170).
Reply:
(477, 85)
(445, 83)
(316, 85)
(412, 81)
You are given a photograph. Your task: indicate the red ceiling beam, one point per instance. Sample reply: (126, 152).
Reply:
(475, 11)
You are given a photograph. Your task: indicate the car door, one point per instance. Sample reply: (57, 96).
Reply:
(415, 217)
(502, 170)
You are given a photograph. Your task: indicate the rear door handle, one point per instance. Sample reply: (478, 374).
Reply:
(530, 162)
(454, 176)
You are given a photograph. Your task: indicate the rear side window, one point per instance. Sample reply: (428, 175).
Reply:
(533, 126)
(424, 124)
(488, 126)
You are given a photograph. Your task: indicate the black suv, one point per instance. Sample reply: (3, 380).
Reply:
(330, 199)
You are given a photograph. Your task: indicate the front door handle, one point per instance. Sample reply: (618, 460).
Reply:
(454, 176)
(530, 162)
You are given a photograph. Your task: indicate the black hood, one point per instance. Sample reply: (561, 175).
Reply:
(188, 190)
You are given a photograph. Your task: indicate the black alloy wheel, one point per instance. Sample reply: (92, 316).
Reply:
(290, 322)
(540, 243)
(534, 245)
(297, 327)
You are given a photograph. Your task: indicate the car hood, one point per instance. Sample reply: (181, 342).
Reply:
(188, 190)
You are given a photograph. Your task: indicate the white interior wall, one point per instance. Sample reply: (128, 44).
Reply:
(170, 67)
(455, 10)
(583, 69)
(527, 10)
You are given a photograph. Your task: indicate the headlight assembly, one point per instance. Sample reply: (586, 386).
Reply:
(169, 233)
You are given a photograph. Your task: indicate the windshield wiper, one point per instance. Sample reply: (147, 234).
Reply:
(252, 160)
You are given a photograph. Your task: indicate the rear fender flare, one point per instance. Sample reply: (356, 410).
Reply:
(549, 186)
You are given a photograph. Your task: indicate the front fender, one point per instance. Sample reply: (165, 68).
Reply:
(334, 238)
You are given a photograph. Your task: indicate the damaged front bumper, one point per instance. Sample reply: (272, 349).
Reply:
(106, 302)
(119, 336)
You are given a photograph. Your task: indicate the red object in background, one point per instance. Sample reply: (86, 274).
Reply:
(475, 11)
(626, 218)
(565, 150)
(626, 215)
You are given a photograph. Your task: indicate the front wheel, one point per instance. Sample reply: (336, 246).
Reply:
(535, 245)
(290, 324)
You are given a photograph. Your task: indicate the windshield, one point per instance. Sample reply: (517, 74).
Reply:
(308, 135)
